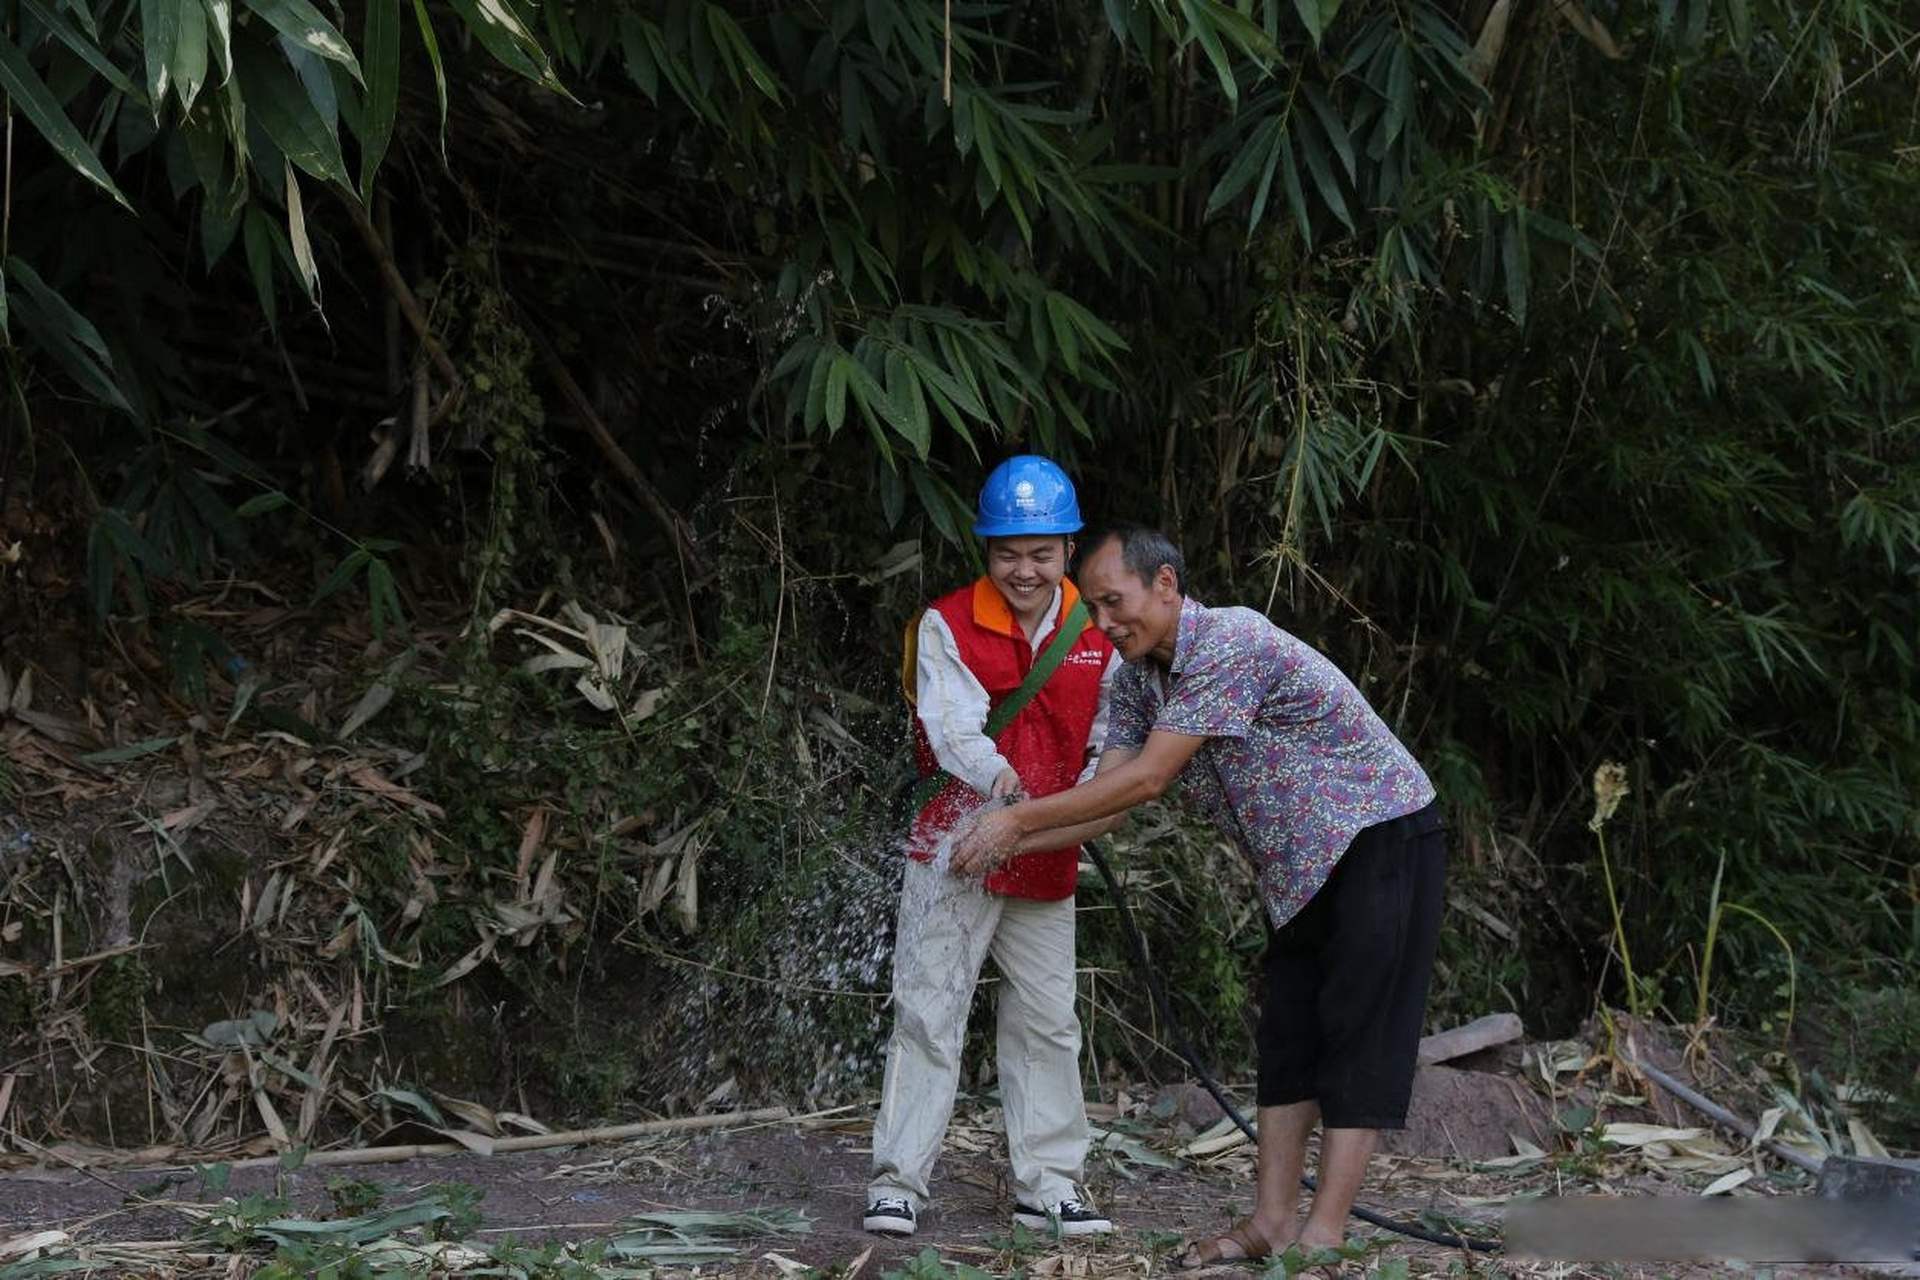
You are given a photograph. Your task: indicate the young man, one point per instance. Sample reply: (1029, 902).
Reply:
(1338, 820)
(973, 650)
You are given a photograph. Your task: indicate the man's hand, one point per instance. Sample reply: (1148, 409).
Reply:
(991, 840)
(1006, 784)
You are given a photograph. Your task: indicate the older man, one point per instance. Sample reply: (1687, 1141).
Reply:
(1340, 824)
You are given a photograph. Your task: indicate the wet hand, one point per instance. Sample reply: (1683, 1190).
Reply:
(989, 842)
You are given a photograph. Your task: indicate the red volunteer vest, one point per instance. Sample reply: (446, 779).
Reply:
(1046, 743)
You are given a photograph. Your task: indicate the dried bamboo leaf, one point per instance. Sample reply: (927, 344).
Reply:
(1589, 28)
(686, 904)
(593, 689)
(276, 1127)
(1225, 1135)
(467, 963)
(566, 660)
(472, 1114)
(1493, 38)
(1629, 1134)
(478, 1143)
(1864, 1143)
(1722, 1185)
(28, 1244)
(378, 694)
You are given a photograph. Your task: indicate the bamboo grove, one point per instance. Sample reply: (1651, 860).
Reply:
(1549, 364)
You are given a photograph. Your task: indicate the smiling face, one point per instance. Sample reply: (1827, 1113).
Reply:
(1027, 570)
(1139, 618)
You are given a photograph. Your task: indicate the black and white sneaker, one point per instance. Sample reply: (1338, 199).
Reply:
(1070, 1217)
(889, 1216)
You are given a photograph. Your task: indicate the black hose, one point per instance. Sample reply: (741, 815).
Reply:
(1192, 1056)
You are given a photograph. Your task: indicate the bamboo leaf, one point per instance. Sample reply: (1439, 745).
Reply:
(261, 503)
(1296, 196)
(1316, 15)
(159, 28)
(36, 102)
(507, 38)
(815, 411)
(1516, 265)
(1400, 93)
(1336, 127)
(342, 574)
(189, 61)
(838, 370)
(83, 45)
(277, 99)
(983, 127)
(381, 48)
(297, 236)
(1063, 335)
(66, 335)
(303, 24)
(1258, 208)
(220, 35)
(909, 416)
(739, 51)
(1261, 146)
(383, 598)
(1324, 179)
(132, 751)
(1200, 23)
(433, 59)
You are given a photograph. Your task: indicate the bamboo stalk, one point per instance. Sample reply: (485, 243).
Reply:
(528, 1142)
(399, 291)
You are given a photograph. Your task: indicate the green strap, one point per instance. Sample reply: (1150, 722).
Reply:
(1002, 715)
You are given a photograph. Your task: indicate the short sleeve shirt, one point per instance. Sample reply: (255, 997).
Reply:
(1296, 763)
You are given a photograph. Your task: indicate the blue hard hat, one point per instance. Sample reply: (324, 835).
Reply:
(1026, 495)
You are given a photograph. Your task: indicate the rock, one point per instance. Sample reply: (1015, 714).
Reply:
(1190, 1104)
(1855, 1177)
(1481, 1033)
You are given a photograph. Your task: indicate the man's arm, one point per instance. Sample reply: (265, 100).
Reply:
(998, 834)
(1080, 833)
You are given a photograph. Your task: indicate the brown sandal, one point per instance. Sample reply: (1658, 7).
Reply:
(1243, 1235)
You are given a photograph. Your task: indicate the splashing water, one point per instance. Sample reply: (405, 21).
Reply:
(811, 1005)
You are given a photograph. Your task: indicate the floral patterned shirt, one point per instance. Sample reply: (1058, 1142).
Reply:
(1296, 763)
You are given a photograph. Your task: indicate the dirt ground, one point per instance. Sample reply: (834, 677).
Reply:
(143, 1217)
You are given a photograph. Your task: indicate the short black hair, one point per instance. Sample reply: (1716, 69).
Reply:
(1142, 550)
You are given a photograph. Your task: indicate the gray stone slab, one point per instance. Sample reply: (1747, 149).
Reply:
(1854, 1177)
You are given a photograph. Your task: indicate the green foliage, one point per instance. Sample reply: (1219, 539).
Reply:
(929, 1265)
(351, 1197)
(1878, 1054)
(1296, 1261)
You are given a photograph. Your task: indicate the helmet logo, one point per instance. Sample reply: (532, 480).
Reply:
(1023, 493)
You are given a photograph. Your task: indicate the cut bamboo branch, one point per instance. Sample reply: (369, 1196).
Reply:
(525, 1142)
